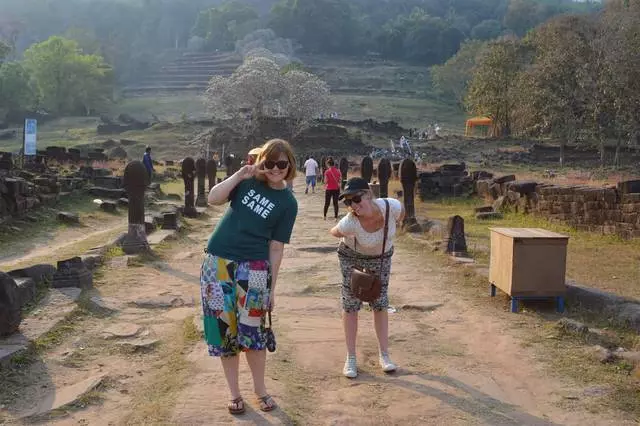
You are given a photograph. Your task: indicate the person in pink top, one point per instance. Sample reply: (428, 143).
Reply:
(332, 180)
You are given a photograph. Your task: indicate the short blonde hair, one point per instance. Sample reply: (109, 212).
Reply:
(272, 150)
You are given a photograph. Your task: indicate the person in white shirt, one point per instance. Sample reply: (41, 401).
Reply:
(362, 235)
(311, 171)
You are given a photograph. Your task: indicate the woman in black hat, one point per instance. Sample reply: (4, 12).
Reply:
(362, 236)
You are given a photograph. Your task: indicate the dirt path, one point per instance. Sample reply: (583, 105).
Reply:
(459, 365)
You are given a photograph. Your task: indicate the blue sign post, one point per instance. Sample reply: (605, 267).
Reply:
(30, 136)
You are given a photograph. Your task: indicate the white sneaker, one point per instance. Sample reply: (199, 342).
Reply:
(387, 365)
(350, 369)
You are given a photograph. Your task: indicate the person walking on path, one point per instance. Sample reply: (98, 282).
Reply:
(332, 180)
(148, 162)
(362, 237)
(239, 273)
(311, 171)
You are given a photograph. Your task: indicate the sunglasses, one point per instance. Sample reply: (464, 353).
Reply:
(280, 164)
(355, 199)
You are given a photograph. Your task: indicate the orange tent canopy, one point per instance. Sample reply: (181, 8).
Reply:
(476, 121)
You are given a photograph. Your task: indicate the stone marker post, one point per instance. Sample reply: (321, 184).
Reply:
(188, 176)
(408, 178)
(228, 164)
(455, 238)
(212, 171)
(323, 168)
(135, 183)
(366, 168)
(384, 174)
(344, 169)
(201, 170)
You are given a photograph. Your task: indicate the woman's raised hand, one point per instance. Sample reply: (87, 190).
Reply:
(249, 171)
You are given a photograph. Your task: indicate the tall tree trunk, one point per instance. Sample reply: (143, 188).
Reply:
(616, 159)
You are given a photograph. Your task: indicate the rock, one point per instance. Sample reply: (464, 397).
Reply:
(26, 290)
(105, 304)
(118, 152)
(482, 188)
(161, 302)
(123, 202)
(174, 197)
(72, 273)
(602, 354)
(10, 307)
(629, 187)
(489, 216)
(69, 218)
(109, 193)
(504, 179)
(138, 345)
(523, 186)
(7, 352)
(170, 221)
(122, 330)
(502, 204)
(91, 260)
(572, 326)
(63, 396)
(421, 307)
(38, 273)
(109, 206)
(484, 209)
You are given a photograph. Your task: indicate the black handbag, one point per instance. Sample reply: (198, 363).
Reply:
(270, 337)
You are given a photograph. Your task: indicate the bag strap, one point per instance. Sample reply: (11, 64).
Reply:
(386, 232)
(269, 317)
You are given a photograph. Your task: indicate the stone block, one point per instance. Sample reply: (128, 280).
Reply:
(629, 186)
(26, 290)
(123, 202)
(69, 218)
(484, 209)
(72, 273)
(631, 198)
(10, 307)
(109, 193)
(489, 216)
(522, 186)
(504, 179)
(170, 221)
(109, 206)
(38, 273)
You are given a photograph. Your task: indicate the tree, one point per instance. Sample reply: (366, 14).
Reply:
(259, 89)
(488, 29)
(221, 26)
(65, 80)
(491, 91)
(5, 49)
(15, 92)
(452, 78)
(554, 98)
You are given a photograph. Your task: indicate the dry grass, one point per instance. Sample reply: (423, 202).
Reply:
(605, 262)
(154, 402)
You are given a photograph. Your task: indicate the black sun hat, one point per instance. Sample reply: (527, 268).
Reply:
(353, 186)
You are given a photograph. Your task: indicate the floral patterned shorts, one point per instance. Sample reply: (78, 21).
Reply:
(235, 299)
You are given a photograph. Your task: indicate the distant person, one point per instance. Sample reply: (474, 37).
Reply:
(242, 263)
(148, 162)
(362, 246)
(311, 173)
(332, 181)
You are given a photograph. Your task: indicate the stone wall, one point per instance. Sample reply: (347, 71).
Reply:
(605, 210)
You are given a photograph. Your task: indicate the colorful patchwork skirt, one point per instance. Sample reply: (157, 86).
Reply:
(235, 299)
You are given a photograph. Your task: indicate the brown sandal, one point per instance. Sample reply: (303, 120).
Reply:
(267, 403)
(236, 406)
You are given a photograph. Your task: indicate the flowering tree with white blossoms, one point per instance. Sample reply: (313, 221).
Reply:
(259, 88)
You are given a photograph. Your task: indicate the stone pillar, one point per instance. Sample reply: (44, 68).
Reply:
(384, 174)
(212, 171)
(408, 178)
(188, 176)
(201, 170)
(344, 169)
(366, 168)
(228, 164)
(455, 238)
(135, 183)
(10, 307)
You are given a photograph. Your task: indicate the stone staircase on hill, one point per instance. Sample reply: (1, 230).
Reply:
(190, 72)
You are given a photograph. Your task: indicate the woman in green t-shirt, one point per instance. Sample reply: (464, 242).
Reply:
(240, 270)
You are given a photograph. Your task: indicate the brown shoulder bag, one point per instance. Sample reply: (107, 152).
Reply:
(365, 285)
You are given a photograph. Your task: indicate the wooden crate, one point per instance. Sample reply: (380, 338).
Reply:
(528, 262)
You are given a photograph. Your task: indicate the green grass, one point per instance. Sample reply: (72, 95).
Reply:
(171, 108)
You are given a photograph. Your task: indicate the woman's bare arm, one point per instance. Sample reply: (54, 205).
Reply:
(276, 251)
(336, 232)
(219, 194)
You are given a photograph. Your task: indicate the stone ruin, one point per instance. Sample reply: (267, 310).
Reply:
(212, 172)
(384, 174)
(448, 180)
(344, 170)
(135, 181)
(366, 168)
(408, 178)
(612, 210)
(201, 171)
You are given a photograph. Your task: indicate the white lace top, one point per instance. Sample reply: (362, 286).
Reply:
(370, 243)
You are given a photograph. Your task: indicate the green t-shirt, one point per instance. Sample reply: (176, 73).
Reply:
(257, 215)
